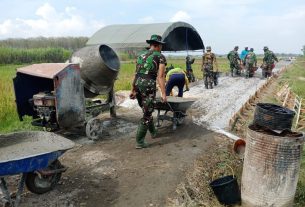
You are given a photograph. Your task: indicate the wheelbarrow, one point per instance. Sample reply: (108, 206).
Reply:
(177, 106)
(35, 156)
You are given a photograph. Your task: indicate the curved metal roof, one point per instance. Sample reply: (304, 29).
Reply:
(179, 36)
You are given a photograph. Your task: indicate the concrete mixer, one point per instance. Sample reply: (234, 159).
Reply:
(62, 95)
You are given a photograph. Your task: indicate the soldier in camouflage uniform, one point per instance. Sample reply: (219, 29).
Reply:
(251, 63)
(208, 61)
(149, 68)
(189, 70)
(235, 61)
(268, 62)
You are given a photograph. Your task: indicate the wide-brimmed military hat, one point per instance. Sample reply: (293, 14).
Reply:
(155, 39)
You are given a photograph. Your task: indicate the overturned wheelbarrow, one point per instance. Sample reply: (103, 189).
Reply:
(34, 155)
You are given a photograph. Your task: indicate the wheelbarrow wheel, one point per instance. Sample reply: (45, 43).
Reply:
(94, 128)
(40, 184)
(179, 118)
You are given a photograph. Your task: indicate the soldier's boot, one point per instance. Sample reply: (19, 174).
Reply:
(205, 78)
(140, 137)
(210, 83)
(152, 129)
(247, 73)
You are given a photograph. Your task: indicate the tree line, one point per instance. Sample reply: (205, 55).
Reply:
(69, 43)
(39, 49)
(34, 55)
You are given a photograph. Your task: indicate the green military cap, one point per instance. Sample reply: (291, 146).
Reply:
(236, 47)
(251, 49)
(209, 48)
(265, 48)
(155, 39)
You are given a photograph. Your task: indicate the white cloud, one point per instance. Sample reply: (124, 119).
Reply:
(50, 22)
(5, 27)
(46, 11)
(180, 16)
(146, 20)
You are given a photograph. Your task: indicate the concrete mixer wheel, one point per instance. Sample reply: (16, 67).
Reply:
(94, 129)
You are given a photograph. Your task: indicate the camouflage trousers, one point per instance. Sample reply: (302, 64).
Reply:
(249, 70)
(146, 95)
(267, 70)
(235, 68)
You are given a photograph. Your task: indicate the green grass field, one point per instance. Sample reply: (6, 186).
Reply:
(296, 77)
(9, 120)
(128, 69)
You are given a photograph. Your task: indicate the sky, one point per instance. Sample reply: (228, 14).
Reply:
(222, 24)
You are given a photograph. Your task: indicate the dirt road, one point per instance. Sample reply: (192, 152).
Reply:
(111, 172)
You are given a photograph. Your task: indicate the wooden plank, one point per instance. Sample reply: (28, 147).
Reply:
(298, 114)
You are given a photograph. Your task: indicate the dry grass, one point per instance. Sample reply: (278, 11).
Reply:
(195, 190)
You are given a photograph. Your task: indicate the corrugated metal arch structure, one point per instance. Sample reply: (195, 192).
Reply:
(179, 36)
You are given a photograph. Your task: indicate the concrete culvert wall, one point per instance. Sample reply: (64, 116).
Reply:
(99, 68)
(271, 168)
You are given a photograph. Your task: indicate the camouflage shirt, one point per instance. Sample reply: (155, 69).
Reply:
(208, 58)
(251, 58)
(148, 63)
(269, 57)
(233, 56)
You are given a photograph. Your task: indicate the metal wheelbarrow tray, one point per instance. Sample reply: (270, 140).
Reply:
(177, 106)
(35, 156)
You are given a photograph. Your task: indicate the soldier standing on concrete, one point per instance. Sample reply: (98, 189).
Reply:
(149, 68)
(189, 70)
(209, 75)
(268, 62)
(251, 63)
(235, 62)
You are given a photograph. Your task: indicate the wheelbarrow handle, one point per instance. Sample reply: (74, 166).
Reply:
(170, 107)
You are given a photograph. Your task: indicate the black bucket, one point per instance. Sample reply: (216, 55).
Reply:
(226, 190)
(273, 116)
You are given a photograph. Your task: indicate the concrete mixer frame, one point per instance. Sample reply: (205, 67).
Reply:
(53, 94)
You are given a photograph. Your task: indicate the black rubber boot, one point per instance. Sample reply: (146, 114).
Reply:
(140, 137)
